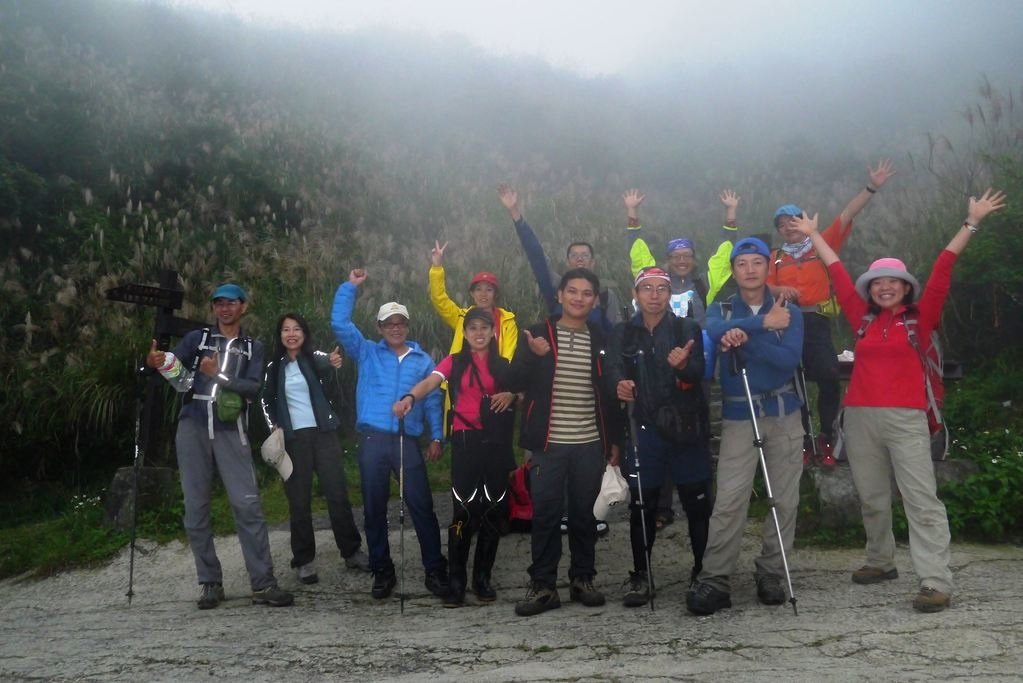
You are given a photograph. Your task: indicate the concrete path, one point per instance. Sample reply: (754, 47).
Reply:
(78, 626)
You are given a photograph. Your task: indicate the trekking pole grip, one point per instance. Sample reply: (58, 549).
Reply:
(738, 359)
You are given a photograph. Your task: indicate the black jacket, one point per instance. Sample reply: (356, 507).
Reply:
(657, 383)
(535, 376)
(275, 401)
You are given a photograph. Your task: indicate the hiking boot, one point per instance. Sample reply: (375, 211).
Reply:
(931, 600)
(272, 595)
(826, 451)
(581, 590)
(867, 574)
(437, 581)
(383, 583)
(357, 560)
(483, 589)
(539, 599)
(769, 590)
(705, 599)
(455, 597)
(211, 595)
(307, 574)
(602, 528)
(638, 592)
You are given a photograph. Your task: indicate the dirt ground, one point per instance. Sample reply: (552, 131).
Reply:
(78, 625)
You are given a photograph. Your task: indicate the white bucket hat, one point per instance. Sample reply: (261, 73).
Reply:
(274, 454)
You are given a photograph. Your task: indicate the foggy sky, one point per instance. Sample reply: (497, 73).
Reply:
(642, 37)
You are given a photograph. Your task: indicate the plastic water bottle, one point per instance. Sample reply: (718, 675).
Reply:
(176, 374)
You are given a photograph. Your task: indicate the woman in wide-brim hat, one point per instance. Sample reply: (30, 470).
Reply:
(885, 417)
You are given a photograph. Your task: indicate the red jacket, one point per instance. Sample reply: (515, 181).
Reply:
(887, 372)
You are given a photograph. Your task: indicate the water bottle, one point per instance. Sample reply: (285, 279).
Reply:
(176, 374)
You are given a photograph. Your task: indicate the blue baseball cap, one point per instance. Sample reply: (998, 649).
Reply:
(786, 210)
(228, 290)
(750, 245)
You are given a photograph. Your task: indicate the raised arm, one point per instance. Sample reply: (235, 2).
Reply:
(877, 178)
(446, 308)
(977, 210)
(719, 267)
(341, 314)
(640, 256)
(531, 245)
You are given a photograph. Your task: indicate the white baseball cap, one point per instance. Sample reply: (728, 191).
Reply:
(391, 308)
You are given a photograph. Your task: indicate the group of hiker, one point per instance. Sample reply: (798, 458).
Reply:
(594, 384)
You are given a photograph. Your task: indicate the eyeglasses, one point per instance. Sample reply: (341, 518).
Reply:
(653, 289)
(394, 326)
(675, 256)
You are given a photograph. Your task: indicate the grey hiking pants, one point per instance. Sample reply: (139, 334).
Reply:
(738, 462)
(197, 454)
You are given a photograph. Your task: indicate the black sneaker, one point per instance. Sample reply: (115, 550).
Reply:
(564, 525)
(706, 599)
(581, 590)
(769, 590)
(273, 596)
(437, 581)
(483, 589)
(211, 595)
(539, 599)
(383, 583)
(637, 592)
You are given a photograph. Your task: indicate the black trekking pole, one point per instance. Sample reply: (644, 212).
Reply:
(139, 459)
(634, 436)
(739, 368)
(401, 512)
(805, 408)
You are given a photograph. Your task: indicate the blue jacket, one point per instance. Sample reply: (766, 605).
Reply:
(771, 359)
(382, 379)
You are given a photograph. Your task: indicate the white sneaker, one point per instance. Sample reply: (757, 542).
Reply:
(307, 573)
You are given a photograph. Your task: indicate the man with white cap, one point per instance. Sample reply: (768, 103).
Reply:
(388, 369)
(228, 371)
(770, 336)
(655, 360)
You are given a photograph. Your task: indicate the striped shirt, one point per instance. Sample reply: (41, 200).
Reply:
(573, 406)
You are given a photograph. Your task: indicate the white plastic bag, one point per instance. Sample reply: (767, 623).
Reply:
(613, 490)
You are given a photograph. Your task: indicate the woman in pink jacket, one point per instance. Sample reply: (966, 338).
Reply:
(885, 406)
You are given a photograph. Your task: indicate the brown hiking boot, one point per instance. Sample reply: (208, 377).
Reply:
(867, 574)
(930, 600)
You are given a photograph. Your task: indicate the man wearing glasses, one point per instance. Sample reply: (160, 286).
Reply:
(388, 369)
(655, 362)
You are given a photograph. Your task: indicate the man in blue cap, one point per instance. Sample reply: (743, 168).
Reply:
(228, 374)
(799, 276)
(770, 336)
